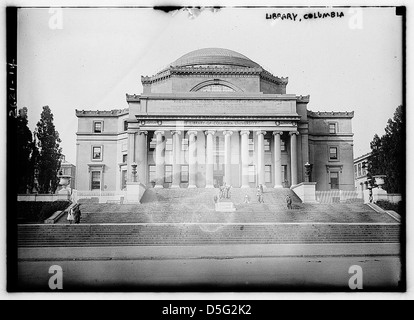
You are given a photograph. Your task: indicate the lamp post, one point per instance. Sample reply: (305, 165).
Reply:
(35, 180)
(134, 171)
(308, 171)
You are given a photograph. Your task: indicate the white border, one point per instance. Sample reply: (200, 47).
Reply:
(198, 296)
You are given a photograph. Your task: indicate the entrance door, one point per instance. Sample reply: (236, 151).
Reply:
(218, 168)
(218, 181)
(334, 176)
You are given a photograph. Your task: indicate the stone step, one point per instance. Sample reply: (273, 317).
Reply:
(205, 234)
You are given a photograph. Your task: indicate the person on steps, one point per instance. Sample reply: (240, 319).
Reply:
(70, 217)
(78, 214)
(289, 202)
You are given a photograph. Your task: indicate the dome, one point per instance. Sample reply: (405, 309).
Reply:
(214, 56)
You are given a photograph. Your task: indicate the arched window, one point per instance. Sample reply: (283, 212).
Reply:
(216, 88)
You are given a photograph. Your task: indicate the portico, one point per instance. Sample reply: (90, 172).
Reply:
(208, 153)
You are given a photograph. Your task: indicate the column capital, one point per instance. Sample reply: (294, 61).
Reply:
(192, 132)
(177, 132)
(227, 132)
(212, 132)
(260, 132)
(277, 132)
(293, 133)
(159, 132)
(142, 132)
(247, 132)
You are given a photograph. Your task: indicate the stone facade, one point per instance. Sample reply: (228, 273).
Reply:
(360, 173)
(213, 117)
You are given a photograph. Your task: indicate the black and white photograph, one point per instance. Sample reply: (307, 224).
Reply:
(206, 149)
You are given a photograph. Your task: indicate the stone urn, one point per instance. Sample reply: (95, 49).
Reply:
(64, 182)
(379, 180)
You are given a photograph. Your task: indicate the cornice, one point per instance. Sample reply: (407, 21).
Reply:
(213, 71)
(102, 113)
(333, 114)
(277, 118)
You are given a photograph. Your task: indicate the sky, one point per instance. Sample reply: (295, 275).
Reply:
(90, 58)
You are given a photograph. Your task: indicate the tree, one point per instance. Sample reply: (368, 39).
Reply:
(48, 159)
(24, 147)
(388, 154)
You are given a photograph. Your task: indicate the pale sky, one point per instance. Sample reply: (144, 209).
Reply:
(99, 55)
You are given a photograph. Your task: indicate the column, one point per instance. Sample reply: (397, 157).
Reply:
(227, 156)
(293, 158)
(245, 157)
(141, 156)
(209, 158)
(131, 154)
(159, 160)
(260, 158)
(278, 159)
(192, 169)
(176, 179)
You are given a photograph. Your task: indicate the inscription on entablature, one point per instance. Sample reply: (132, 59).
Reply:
(220, 107)
(222, 123)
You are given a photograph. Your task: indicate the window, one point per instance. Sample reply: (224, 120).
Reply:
(359, 170)
(184, 174)
(152, 173)
(251, 145)
(96, 153)
(268, 173)
(356, 170)
(364, 168)
(284, 173)
(334, 176)
(97, 126)
(169, 144)
(333, 153)
(184, 145)
(123, 179)
(216, 88)
(153, 144)
(96, 180)
(332, 128)
(124, 158)
(267, 145)
(168, 173)
(125, 125)
(252, 174)
(282, 145)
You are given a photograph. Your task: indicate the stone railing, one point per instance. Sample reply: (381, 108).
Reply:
(102, 196)
(335, 196)
(42, 197)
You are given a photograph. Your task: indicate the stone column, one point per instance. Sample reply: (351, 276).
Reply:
(192, 160)
(260, 158)
(159, 160)
(245, 157)
(293, 158)
(278, 159)
(176, 179)
(209, 158)
(141, 156)
(227, 156)
(131, 154)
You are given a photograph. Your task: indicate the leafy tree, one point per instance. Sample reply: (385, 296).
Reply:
(48, 160)
(388, 154)
(23, 151)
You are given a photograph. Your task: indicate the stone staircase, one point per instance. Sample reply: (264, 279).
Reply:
(202, 234)
(197, 206)
(180, 217)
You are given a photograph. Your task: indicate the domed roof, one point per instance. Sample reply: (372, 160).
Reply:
(214, 56)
